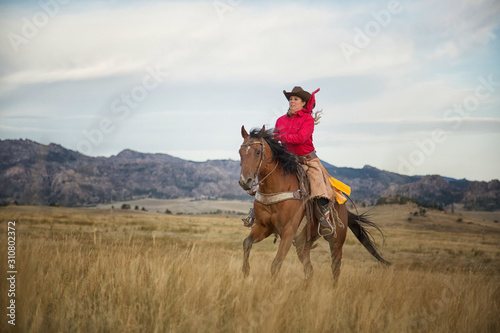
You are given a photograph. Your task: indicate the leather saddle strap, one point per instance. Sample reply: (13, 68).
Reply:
(274, 198)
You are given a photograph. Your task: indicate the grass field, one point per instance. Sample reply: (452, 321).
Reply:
(103, 270)
(185, 205)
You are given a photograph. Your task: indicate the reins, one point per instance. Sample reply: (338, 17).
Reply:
(262, 180)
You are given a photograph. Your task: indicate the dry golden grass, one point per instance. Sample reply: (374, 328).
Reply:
(82, 270)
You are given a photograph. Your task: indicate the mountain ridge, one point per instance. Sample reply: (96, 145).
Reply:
(33, 173)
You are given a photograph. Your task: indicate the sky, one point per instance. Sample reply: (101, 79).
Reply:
(411, 87)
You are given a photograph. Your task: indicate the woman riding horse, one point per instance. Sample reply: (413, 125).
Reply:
(295, 131)
(281, 202)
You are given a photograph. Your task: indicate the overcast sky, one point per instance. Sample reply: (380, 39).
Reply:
(411, 87)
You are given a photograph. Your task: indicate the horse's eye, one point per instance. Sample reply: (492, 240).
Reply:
(258, 152)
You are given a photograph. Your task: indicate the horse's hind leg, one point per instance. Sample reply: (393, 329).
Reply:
(303, 249)
(257, 234)
(336, 243)
(336, 254)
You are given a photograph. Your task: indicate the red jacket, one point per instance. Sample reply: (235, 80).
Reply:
(296, 132)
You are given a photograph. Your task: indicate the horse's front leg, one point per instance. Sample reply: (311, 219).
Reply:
(284, 247)
(258, 233)
(303, 249)
(291, 215)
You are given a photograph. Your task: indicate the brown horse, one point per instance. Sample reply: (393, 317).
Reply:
(264, 159)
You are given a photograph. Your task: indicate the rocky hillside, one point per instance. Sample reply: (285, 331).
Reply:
(31, 173)
(369, 184)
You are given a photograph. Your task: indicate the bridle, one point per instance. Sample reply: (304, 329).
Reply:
(262, 157)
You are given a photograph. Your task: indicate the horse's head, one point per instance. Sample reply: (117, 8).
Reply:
(251, 157)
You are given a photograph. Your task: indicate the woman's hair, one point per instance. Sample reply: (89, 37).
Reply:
(317, 116)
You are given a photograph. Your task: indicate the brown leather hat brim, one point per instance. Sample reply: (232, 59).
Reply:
(304, 95)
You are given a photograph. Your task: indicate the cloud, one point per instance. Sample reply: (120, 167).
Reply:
(400, 99)
(103, 69)
(232, 69)
(188, 38)
(418, 127)
(280, 43)
(453, 28)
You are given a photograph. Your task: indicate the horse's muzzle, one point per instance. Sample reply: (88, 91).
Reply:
(246, 182)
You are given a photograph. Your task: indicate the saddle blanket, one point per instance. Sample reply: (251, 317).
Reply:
(340, 187)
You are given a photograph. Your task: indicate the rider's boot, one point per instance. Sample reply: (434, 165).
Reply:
(249, 220)
(322, 211)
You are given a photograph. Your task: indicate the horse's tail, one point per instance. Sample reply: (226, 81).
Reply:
(358, 224)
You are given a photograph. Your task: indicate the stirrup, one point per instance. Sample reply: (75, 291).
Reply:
(329, 230)
(249, 220)
(323, 215)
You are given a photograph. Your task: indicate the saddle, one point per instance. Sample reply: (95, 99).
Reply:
(311, 206)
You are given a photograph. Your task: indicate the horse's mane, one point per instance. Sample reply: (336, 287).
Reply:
(286, 159)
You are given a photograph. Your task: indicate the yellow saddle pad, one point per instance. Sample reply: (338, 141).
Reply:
(339, 188)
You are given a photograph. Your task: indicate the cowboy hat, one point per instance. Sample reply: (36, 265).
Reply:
(299, 92)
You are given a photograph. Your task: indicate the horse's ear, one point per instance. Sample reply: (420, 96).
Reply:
(262, 132)
(244, 133)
